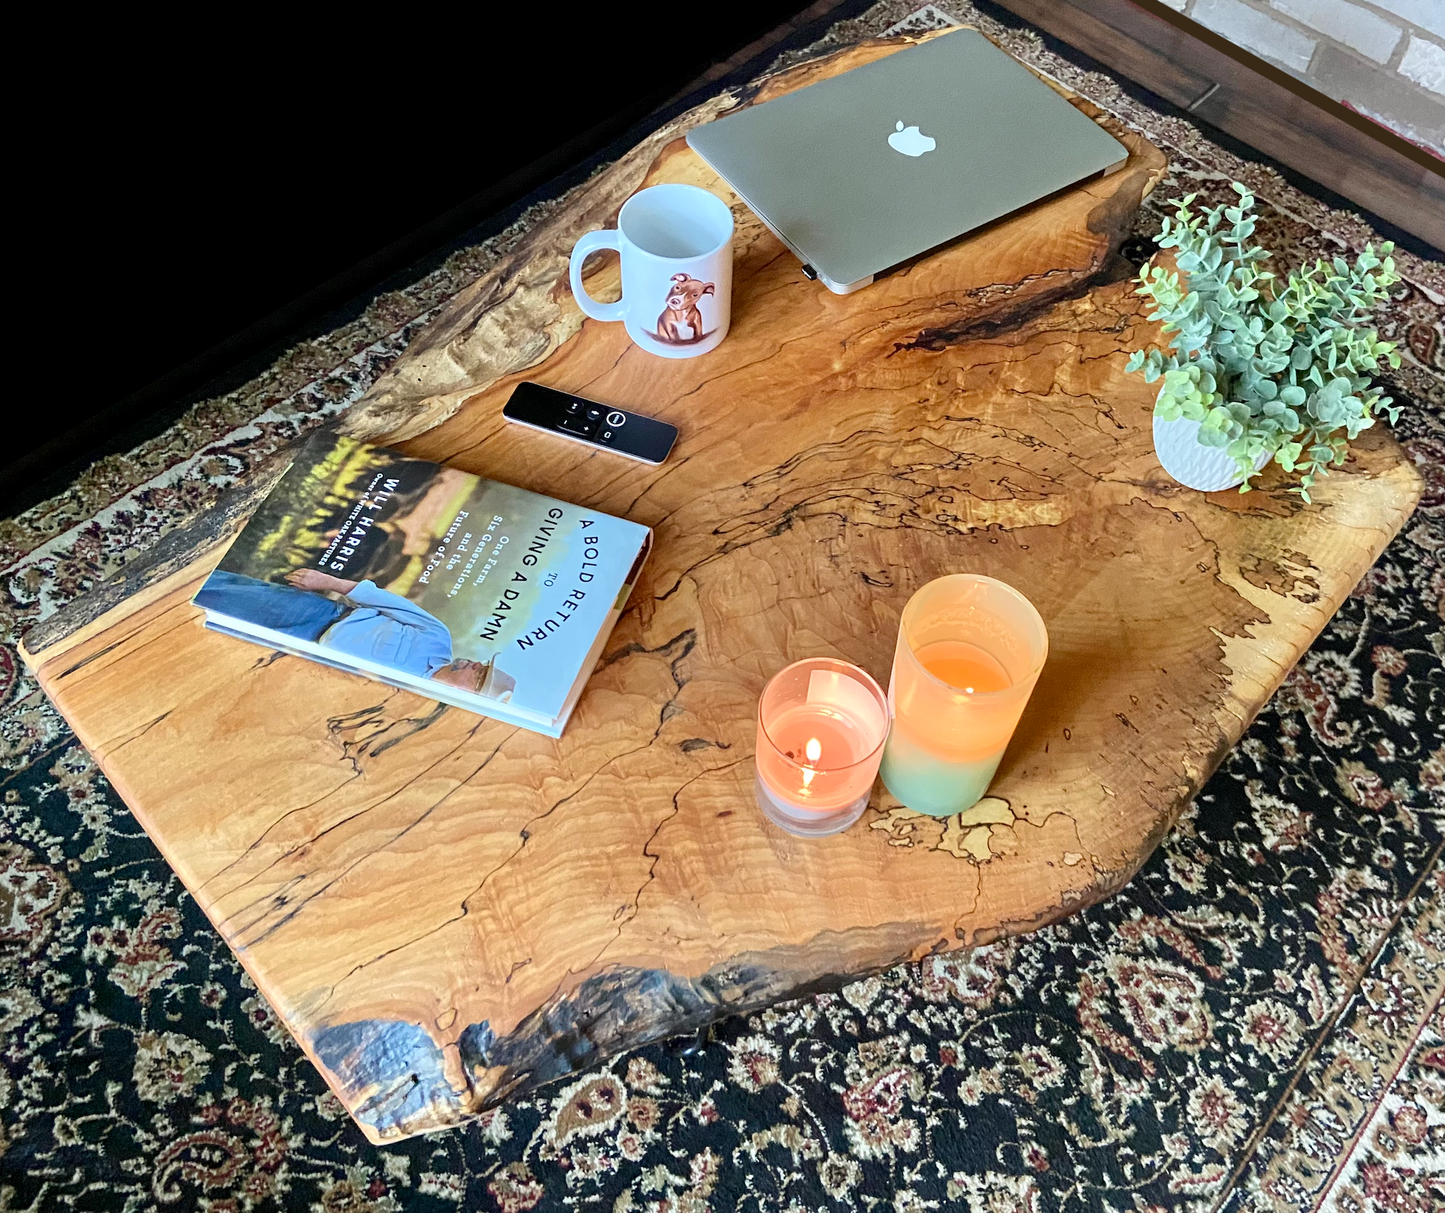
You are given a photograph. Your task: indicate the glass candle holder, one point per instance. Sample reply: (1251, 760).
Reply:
(821, 727)
(970, 649)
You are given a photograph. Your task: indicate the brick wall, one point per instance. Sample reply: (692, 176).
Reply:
(1384, 57)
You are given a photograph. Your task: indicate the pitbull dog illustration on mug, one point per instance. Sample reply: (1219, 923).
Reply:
(682, 311)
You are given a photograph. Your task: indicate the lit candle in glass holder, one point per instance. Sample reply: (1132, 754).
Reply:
(821, 727)
(970, 649)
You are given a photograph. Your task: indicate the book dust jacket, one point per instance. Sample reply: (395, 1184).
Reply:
(466, 589)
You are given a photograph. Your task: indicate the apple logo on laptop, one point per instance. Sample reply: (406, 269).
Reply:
(911, 141)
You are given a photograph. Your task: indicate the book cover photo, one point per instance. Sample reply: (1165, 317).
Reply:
(468, 590)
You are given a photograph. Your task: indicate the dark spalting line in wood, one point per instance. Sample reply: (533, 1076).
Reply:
(111, 751)
(85, 661)
(1013, 316)
(390, 734)
(278, 898)
(395, 1080)
(266, 922)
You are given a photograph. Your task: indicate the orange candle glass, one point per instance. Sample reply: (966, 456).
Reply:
(821, 727)
(970, 649)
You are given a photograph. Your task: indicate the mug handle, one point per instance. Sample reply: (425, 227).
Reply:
(590, 243)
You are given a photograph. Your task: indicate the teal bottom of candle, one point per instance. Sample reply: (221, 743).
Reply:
(927, 784)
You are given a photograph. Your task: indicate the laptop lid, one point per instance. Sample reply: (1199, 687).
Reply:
(866, 170)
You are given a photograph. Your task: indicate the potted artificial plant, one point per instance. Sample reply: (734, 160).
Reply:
(1259, 369)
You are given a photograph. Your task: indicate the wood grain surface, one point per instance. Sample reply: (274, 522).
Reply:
(446, 910)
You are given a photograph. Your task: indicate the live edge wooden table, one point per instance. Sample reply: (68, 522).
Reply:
(446, 910)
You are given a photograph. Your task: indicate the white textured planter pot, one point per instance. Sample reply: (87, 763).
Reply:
(1206, 468)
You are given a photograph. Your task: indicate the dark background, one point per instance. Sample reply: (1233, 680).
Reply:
(201, 194)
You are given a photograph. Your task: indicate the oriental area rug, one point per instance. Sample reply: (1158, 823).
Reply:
(1254, 1023)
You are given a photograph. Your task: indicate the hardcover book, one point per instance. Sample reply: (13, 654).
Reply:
(466, 590)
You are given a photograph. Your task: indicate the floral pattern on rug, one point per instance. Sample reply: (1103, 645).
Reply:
(1391, 1060)
(1253, 1023)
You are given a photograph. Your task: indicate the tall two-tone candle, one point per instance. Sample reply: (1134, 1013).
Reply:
(969, 652)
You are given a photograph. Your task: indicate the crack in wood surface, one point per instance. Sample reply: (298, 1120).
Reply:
(312, 839)
(239, 932)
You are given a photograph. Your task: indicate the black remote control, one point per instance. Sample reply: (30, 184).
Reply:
(600, 425)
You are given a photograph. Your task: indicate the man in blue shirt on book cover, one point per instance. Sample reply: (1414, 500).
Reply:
(365, 621)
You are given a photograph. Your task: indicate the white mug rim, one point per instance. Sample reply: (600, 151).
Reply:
(691, 191)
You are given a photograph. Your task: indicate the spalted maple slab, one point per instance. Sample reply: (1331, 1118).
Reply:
(446, 910)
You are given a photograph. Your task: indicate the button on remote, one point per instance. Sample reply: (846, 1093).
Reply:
(578, 425)
(616, 419)
(606, 436)
(594, 413)
(572, 406)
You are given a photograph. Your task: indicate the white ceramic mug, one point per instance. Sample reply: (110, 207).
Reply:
(676, 246)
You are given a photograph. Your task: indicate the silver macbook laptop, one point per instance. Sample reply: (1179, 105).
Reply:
(867, 170)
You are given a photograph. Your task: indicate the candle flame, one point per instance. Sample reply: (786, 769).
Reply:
(813, 750)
